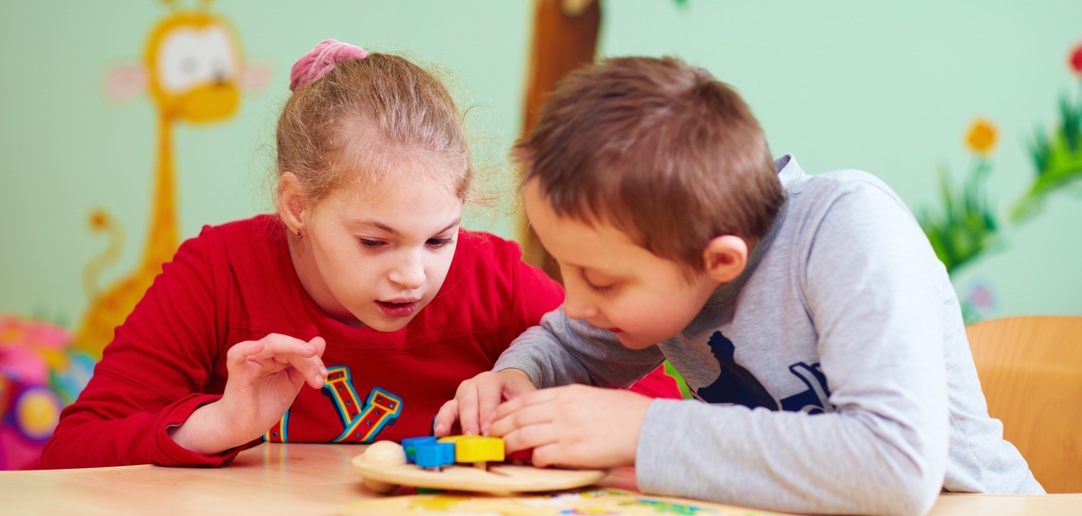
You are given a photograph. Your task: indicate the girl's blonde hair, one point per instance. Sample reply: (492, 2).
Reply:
(383, 109)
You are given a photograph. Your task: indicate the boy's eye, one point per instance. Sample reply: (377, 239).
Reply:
(599, 288)
(608, 283)
(367, 242)
(439, 242)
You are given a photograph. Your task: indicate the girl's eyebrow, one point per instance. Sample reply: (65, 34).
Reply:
(383, 227)
(453, 223)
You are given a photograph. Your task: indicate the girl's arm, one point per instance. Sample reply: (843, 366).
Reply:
(155, 373)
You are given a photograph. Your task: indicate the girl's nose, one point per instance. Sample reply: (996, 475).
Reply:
(409, 272)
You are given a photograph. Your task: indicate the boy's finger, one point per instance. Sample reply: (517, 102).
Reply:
(445, 418)
(533, 436)
(525, 400)
(467, 411)
(527, 416)
(549, 455)
(489, 396)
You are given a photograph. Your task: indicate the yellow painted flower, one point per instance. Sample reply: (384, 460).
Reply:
(981, 137)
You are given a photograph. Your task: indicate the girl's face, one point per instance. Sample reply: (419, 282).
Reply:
(378, 257)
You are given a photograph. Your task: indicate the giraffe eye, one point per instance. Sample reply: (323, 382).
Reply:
(188, 66)
(188, 58)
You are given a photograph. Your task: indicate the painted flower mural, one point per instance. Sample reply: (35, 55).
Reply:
(1057, 153)
(965, 227)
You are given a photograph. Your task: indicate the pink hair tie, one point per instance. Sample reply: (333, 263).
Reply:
(320, 60)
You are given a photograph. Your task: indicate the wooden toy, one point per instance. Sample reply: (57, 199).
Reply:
(461, 463)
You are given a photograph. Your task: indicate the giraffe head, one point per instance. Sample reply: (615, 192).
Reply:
(194, 65)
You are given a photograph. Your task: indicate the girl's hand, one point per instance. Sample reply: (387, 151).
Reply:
(574, 425)
(264, 378)
(476, 400)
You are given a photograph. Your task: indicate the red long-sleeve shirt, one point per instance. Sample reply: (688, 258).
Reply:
(236, 282)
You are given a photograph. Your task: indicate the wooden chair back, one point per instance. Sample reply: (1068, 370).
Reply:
(1030, 369)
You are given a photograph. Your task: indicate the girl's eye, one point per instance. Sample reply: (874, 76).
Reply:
(439, 242)
(371, 243)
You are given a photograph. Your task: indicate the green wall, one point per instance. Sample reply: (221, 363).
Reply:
(890, 88)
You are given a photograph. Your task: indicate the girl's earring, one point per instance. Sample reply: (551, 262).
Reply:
(299, 236)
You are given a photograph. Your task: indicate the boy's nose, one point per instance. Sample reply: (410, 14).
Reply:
(577, 305)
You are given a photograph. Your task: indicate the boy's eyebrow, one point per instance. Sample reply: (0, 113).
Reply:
(608, 274)
(383, 227)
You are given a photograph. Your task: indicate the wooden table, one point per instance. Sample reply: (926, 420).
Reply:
(309, 479)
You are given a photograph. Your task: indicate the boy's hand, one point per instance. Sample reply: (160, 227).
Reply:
(476, 400)
(574, 425)
(264, 378)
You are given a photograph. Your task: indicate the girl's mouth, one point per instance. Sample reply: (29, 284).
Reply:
(391, 309)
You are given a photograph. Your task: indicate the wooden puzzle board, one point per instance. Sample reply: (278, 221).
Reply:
(587, 501)
(499, 478)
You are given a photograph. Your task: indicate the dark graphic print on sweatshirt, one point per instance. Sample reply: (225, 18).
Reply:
(738, 386)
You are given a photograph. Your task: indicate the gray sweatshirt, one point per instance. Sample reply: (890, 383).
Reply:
(832, 376)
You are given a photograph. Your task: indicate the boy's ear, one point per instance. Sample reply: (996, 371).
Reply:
(725, 257)
(291, 201)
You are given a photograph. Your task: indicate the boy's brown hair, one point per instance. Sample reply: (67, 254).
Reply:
(660, 149)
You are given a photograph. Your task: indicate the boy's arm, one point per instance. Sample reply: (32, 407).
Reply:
(559, 351)
(563, 351)
(879, 302)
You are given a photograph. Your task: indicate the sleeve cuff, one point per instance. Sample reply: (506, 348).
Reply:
(654, 439)
(172, 454)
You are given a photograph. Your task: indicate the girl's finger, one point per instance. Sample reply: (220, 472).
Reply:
(242, 352)
(303, 356)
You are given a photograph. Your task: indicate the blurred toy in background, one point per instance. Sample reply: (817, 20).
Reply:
(40, 373)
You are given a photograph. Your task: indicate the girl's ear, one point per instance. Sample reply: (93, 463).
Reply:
(291, 202)
(725, 257)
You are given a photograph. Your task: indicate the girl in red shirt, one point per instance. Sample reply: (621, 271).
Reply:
(349, 316)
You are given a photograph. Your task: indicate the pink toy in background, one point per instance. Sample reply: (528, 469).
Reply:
(39, 374)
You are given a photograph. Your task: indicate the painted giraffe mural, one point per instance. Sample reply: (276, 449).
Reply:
(194, 69)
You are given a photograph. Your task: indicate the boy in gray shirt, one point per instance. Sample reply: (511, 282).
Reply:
(808, 314)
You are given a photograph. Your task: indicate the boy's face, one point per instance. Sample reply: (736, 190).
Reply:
(613, 283)
(379, 257)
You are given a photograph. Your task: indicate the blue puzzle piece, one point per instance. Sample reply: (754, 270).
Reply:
(434, 455)
(410, 446)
